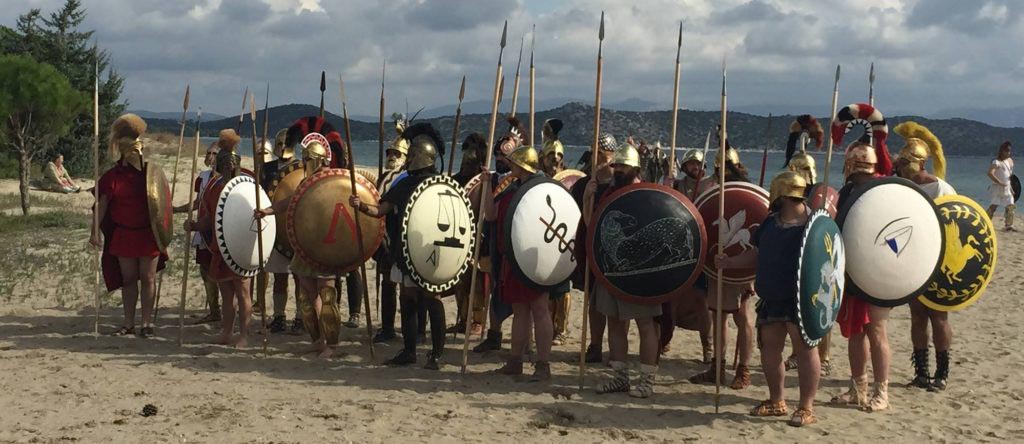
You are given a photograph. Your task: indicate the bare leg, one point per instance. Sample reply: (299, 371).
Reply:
(280, 294)
(992, 211)
(520, 329)
(540, 312)
(919, 325)
(244, 311)
(942, 331)
(129, 288)
(858, 352)
(773, 341)
(597, 324)
(650, 345)
(147, 273)
(227, 311)
(745, 332)
(618, 344)
(877, 335)
(809, 369)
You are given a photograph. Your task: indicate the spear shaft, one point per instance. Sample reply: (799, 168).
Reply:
(97, 261)
(764, 156)
(675, 109)
(593, 174)
(835, 103)
(258, 165)
(323, 87)
(515, 84)
(380, 128)
(533, 78)
(359, 230)
(174, 187)
(871, 85)
(721, 235)
(455, 128)
(188, 246)
(485, 188)
(241, 115)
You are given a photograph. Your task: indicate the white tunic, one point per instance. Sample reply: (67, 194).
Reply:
(938, 188)
(1001, 195)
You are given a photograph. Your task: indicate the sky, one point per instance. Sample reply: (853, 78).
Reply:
(929, 55)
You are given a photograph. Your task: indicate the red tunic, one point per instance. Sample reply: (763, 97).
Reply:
(513, 289)
(219, 270)
(128, 212)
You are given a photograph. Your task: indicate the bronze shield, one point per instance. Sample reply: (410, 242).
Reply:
(158, 199)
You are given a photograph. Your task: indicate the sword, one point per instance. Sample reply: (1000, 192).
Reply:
(174, 185)
(484, 188)
(359, 230)
(188, 249)
(593, 173)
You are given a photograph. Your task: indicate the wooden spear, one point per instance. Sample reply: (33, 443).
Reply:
(358, 216)
(675, 110)
(515, 84)
(485, 188)
(188, 246)
(700, 174)
(174, 185)
(323, 87)
(828, 156)
(380, 131)
(593, 174)
(722, 136)
(241, 115)
(455, 128)
(258, 166)
(96, 186)
(533, 78)
(764, 155)
(871, 85)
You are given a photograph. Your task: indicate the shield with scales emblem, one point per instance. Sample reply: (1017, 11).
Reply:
(746, 206)
(969, 258)
(437, 234)
(820, 277)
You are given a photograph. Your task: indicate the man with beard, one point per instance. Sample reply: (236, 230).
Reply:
(626, 171)
(124, 221)
(425, 144)
(282, 155)
(498, 311)
(234, 289)
(735, 299)
(921, 145)
(474, 148)
(394, 166)
(603, 177)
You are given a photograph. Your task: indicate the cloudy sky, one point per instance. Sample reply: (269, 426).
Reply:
(930, 55)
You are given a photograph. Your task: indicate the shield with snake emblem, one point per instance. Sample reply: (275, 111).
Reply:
(540, 229)
(647, 242)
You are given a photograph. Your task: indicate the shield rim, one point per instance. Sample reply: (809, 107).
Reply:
(817, 214)
(961, 199)
(155, 177)
(290, 167)
(219, 229)
(290, 222)
(507, 232)
(568, 172)
(1015, 187)
(844, 211)
(706, 196)
(664, 297)
(413, 273)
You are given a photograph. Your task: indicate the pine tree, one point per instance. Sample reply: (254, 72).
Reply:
(58, 40)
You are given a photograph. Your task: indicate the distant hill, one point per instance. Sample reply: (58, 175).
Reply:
(959, 136)
(172, 115)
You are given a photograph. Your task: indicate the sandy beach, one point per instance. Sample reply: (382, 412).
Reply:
(60, 383)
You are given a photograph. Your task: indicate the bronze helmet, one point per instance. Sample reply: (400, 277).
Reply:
(787, 184)
(525, 157)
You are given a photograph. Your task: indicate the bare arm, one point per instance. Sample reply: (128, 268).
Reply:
(992, 175)
(101, 210)
(588, 201)
(746, 259)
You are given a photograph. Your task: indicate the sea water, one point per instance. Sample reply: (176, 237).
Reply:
(968, 174)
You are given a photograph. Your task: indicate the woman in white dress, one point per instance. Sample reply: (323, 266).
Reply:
(1000, 193)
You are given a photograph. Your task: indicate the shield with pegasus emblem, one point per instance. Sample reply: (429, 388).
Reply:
(648, 243)
(746, 206)
(969, 258)
(820, 277)
(893, 238)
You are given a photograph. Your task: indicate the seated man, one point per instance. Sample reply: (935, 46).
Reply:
(56, 178)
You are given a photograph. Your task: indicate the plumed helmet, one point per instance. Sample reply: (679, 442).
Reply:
(228, 139)
(525, 157)
(921, 145)
(607, 142)
(787, 184)
(228, 158)
(125, 133)
(512, 139)
(627, 155)
(304, 126)
(400, 145)
(552, 127)
(731, 156)
(860, 158)
(425, 145)
(693, 154)
(804, 165)
(314, 151)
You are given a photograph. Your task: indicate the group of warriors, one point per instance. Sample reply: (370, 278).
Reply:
(661, 244)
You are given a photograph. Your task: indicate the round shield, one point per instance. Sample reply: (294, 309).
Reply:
(282, 189)
(236, 230)
(893, 240)
(969, 258)
(1015, 187)
(829, 199)
(158, 199)
(321, 225)
(437, 234)
(370, 176)
(746, 206)
(647, 244)
(820, 277)
(540, 229)
(569, 177)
